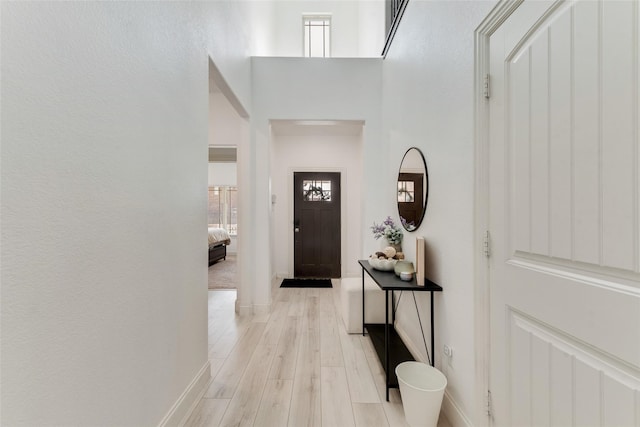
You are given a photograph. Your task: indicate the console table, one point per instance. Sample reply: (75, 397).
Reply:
(388, 344)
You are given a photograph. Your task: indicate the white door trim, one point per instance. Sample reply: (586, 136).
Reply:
(502, 10)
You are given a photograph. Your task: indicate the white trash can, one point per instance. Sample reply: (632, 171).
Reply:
(421, 388)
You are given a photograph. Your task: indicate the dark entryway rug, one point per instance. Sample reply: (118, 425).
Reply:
(306, 283)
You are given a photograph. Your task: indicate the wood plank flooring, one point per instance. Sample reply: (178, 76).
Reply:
(295, 367)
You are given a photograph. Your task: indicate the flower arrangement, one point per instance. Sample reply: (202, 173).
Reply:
(389, 230)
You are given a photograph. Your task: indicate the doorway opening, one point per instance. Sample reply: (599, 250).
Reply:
(222, 214)
(228, 135)
(316, 146)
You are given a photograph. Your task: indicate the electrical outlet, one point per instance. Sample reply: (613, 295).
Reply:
(448, 351)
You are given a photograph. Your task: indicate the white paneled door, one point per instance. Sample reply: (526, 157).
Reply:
(564, 208)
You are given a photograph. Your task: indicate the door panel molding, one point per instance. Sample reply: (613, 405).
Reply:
(538, 350)
(606, 276)
(555, 10)
(598, 181)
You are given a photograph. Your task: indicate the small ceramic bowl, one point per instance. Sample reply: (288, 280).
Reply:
(382, 264)
(403, 266)
(406, 276)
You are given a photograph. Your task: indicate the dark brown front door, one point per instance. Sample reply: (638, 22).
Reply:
(316, 213)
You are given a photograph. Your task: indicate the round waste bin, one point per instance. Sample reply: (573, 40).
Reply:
(421, 388)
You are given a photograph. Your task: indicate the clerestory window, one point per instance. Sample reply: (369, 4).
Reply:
(317, 35)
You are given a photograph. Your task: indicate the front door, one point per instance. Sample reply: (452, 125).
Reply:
(564, 207)
(316, 224)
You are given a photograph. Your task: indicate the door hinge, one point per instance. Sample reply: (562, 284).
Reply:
(488, 403)
(485, 86)
(487, 244)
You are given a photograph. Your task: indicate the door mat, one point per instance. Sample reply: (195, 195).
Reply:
(306, 283)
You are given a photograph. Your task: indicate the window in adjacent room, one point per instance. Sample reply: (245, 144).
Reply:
(317, 35)
(223, 208)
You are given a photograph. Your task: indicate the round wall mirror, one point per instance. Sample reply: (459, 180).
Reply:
(413, 189)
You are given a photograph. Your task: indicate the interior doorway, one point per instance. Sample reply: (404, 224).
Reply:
(317, 231)
(315, 146)
(228, 142)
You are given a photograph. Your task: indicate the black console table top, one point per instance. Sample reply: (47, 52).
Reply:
(388, 281)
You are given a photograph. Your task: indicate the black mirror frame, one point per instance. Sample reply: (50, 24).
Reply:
(426, 189)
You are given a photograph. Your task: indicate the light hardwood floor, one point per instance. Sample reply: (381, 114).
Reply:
(295, 367)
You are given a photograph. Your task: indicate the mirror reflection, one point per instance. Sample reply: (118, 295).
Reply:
(413, 189)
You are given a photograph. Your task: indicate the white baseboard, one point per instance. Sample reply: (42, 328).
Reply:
(188, 400)
(243, 310)
(261, 309)
(247, 310)
(350, 273)
(454, 414)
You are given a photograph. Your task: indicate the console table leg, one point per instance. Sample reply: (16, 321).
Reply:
(393, 308)
(362, 301)
(433, 351)
(386, 338)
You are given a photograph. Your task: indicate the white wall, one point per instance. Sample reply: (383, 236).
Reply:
(357, 27)
(225, 125)
(371, 27)
(223, 173)
(263, 27)
(428, 103)
(278, 88)
(316, 152)
(104, 176)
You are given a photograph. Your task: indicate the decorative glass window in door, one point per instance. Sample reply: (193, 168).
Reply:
(406, 192)
(316, 191)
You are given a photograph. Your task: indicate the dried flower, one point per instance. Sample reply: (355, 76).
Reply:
(388, 230)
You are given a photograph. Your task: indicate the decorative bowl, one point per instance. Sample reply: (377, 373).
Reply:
(382, 264)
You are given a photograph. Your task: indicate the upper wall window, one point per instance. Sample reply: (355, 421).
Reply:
(317, 35)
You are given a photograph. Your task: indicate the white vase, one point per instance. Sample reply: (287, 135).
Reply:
(385, 243)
